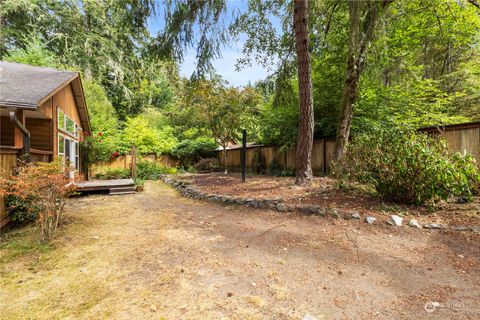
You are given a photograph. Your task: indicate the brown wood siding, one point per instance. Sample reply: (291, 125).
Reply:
(40, 133)
(64, 100)
(47, 108)
(8, 160)
(6, 132)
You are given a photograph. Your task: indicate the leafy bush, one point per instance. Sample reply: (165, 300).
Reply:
(20, 209)
(258, 162)
(191, 151)
(147, 170)
(275, 169)
(113, 174)
(207, 164)
(41, 188)
(406, 166)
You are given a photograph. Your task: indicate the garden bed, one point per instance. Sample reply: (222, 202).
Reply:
(326, 193)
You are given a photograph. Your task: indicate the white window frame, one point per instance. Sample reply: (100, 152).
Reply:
(76, 127)
(59, 137)
(76, 153)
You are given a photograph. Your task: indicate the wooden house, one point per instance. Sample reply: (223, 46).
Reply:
(43, 116)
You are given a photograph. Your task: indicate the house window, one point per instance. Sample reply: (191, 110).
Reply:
(61, 119)
(66, 124)
(61, 145)
(70, 126)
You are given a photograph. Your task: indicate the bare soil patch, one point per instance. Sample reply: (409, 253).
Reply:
(326, 193)
(155, 255)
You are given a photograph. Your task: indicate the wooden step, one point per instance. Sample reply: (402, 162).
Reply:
(122, 189)
(118, 192)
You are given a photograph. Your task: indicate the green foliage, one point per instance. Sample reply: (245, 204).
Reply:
(20, 209)
(225, 111)
(148, 139)
(35, 53)
(406, 166)
(41, 190)
(103, 117)
(206, 164)
(110, 173)
(275, 169)
(191, 151)
(258, 162)
(147, 170)
(139, 182)
(279, 124)
(105, 140)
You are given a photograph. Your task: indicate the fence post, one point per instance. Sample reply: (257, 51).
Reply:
(244, 154)
(134, 162)
(324, 156)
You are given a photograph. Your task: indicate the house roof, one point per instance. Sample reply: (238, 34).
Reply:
(27, 87)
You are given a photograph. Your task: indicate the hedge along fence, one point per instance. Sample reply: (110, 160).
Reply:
(263, 156)
(125, 162)
(463, 138)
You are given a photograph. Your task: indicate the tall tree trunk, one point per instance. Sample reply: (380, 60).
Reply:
(359, 37)
(306, 118)
(350, 88)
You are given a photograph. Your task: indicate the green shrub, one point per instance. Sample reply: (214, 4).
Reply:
(258, 167)
(41, 190)
(207, 164)
(275, 169)
(20, 210)
(147, 170)
(191, 151)
(113, 174)
(139, 182)
(409, 167)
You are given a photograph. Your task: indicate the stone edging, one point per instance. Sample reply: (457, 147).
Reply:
(277, 204)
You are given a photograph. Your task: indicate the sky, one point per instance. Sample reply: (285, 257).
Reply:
(225, 66)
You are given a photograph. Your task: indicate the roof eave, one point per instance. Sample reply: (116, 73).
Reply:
(79, 96)
(18, 105)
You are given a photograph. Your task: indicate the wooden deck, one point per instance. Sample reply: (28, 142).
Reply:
(114, 186)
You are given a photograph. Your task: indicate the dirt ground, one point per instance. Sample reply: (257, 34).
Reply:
(326, 193)
(155, 255)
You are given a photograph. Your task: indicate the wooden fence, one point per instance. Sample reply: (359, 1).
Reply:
(322, 155)
(463, 138)
(125, 162)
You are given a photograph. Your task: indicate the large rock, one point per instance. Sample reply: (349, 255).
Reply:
(312, 209)
(414, 224)
(370, 220)
(434, 226)
(281, 207)
(355, 216)
(395, 220)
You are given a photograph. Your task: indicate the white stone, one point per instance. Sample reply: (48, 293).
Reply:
(356, 215)
(370, 220)
(414, 223)
(396, 220)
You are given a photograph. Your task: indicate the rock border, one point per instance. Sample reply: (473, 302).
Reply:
(188, 191)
